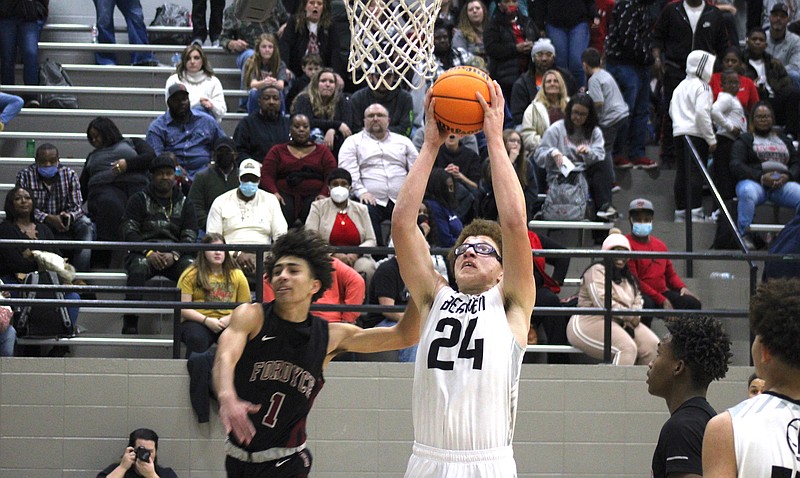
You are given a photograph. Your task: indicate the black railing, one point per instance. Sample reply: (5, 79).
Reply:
(176, 305)
(718, 200)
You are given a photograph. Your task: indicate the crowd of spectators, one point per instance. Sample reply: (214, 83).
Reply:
(318, 152)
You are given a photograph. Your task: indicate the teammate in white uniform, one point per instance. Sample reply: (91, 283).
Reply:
(472, 341)
(759, 438)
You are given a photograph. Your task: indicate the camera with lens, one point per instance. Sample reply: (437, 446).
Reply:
(142, 453)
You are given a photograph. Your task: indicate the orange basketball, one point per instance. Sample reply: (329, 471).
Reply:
(456, 107)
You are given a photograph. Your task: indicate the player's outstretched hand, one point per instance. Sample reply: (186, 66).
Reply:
(434, 134)
(494, 113)
(234, 415)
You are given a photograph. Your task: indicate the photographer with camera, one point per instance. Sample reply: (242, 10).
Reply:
(139, 458)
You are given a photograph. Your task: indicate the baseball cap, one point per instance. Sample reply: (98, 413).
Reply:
(780, 7)
(615, 239)
(224, 142)
(250, 166)
(163, 160)
(641, 204)
(175, 88)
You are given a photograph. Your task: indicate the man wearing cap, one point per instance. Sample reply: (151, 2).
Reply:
(526, 86)
(782, 44)
(259, 131)
(247, 215)
(218, 178)
(159, 214)
(190, 135)
(661, 286)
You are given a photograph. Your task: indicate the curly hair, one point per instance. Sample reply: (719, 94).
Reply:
(701, 342)
(775, 317)
(306, 245)
(478, 227)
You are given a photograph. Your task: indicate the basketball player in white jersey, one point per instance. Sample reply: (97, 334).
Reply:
(759, 437)
(471, 341)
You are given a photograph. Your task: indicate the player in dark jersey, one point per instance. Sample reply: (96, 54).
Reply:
(268, 368)
(695, 352)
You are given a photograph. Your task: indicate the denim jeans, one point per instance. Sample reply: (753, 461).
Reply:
(137, 32)
(7, 340)
(569, 45)
(9, 107)
(634, 84)
(15, 33)
(81, 230)
(752, 194)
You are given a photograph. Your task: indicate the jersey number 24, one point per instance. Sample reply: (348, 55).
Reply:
(456, 340)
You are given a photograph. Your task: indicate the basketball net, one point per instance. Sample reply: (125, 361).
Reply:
(392, 37)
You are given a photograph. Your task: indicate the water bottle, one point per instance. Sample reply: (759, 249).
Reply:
(94, 33)
(30, 148)
(721, 276)
(176, 59)
(317, 136)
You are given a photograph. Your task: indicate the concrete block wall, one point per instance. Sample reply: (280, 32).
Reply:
(70, 418)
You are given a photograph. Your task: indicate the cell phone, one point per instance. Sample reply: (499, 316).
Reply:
(66, 220)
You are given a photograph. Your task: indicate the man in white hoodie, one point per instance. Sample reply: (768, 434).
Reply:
(690, 110)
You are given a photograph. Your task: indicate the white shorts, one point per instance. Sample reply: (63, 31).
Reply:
(429, 462)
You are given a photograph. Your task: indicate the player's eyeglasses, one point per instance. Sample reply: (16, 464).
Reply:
(481, 248)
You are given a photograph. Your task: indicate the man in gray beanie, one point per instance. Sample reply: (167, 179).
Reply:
(524, 90)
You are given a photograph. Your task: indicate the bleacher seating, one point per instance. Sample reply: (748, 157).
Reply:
(134, 96)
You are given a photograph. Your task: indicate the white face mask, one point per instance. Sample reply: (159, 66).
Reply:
(339, 194)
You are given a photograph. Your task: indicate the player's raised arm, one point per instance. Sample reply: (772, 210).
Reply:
(518, 284)
(350, 338)
(234, 412)
(413, 256)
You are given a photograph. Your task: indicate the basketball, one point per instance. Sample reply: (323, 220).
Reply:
(457, 108)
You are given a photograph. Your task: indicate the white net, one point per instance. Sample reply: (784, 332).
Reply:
(392, 41)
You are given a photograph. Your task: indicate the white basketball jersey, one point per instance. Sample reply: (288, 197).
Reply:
(766, 429)
(466, 374)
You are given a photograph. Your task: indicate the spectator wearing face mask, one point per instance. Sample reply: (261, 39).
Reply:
(247, 215)
(211, 182)
(344, 223)
(660, 284)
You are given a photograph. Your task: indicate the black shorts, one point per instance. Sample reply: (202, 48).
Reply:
(297, 465)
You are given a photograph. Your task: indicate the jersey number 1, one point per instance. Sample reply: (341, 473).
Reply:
(275, 404)
(476, 353)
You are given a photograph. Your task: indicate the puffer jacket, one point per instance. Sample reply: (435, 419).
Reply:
(506, 64)
(146, 220)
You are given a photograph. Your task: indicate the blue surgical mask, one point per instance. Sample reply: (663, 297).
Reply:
(248, 189)
(47, 172)
(642, 229)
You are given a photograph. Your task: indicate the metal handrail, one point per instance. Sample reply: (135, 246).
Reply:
(260, 249)
(718, 199)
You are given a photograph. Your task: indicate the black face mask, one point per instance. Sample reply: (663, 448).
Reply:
(224, 160)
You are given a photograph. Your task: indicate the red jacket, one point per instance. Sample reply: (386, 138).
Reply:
(655, 275)
(347, 288)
